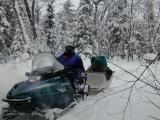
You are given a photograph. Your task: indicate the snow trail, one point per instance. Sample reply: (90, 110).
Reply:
(105, 105)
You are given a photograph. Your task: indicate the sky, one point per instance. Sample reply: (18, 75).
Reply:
(59, 4)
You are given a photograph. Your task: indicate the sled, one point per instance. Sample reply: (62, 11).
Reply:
(97, 82)
(97, 75)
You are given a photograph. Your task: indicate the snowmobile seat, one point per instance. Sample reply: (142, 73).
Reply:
(97, 80)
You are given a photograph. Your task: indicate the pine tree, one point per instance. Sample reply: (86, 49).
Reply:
(117, 28)
(49, 28)
(67, 21)
(7, 29)
(150, 19)
(3, 27)
(85, 38)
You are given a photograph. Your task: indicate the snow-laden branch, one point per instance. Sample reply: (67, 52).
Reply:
(134, 83)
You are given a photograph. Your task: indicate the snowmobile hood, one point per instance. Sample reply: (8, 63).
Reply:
(17, 89)
(27, 88)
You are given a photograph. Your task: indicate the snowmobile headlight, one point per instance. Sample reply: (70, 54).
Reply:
(35, 78)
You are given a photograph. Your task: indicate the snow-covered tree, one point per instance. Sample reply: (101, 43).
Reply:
(66, 24)
(113, 23)
(30, 11)
(67, 21)
(7, 29)
(149, 16)
(85, 38)
(50, 28)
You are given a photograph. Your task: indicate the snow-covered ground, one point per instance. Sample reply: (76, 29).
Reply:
(105, 105)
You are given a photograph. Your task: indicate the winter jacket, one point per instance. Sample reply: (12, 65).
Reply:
(72, 61)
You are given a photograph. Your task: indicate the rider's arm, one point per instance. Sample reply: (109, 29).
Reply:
(79, 64)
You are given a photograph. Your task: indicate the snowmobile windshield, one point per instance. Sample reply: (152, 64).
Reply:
(45, 63)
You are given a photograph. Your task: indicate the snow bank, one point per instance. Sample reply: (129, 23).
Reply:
(9, 75)
(102, 106)
(149, 56)
(25, 56)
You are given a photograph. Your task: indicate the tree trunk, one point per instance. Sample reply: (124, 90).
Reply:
(31, 16)
(95, 15)
(33, 20)
(18, 18)
(28, 11)
(20, 22)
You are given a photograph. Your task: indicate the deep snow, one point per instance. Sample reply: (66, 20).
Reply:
(103, 106)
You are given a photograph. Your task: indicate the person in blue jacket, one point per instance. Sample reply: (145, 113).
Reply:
(72, 63)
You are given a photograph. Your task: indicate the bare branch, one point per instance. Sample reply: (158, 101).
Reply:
(154, 118)
(137, 79)
(151, 102)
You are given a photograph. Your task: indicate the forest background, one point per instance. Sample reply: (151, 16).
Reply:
(123, 28)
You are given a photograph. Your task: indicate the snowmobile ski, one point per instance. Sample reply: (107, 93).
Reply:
(9, 114)
(94, 91)
(56, 115)
(64, 111)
